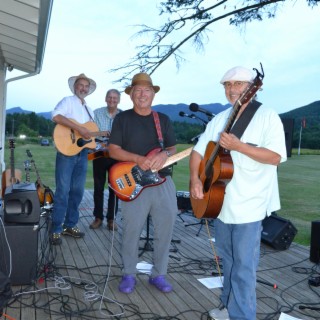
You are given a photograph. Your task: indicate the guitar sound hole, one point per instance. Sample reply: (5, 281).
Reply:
(207, 185)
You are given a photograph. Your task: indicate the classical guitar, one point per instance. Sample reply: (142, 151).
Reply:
(216, 167)
(70, 142)
(128, 180)
(45, 194)
(101, 151)
(12, 175)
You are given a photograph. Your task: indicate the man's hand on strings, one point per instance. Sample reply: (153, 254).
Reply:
(229, 141)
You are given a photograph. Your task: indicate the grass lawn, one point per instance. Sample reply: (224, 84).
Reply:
(298, 179)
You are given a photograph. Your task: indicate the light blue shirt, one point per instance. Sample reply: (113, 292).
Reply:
(103, 118)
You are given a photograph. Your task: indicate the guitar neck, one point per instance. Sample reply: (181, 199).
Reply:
(178, 156)
(99, 133)
(12, 165)
(37, 173)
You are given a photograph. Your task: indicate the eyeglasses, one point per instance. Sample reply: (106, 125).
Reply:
(236, 84)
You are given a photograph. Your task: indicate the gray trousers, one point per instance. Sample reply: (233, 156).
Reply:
(161, 203)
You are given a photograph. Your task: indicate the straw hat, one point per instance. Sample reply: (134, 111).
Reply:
(238, 74)
(73, 80)
(141, 79)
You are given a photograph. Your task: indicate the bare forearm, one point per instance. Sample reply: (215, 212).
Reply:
(261, 155)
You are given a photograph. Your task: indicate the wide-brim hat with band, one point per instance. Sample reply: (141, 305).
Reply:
(238, 74)
(141, 79)
(73, 80)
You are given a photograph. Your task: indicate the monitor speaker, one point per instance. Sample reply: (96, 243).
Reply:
(315, 242)
(183, 201)
(21, 204)
(277, 232)
(20, 241)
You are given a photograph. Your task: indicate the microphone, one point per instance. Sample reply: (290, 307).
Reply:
(182, 114)
(194, 107)
(192, 116)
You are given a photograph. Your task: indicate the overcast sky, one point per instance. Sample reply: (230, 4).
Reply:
(94, 36)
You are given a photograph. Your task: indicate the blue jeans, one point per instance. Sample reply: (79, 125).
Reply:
(70, 183)
(239, 247)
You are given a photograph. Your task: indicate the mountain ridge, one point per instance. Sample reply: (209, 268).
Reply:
(310, 112)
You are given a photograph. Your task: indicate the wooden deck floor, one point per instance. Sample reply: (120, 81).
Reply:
(79, 279)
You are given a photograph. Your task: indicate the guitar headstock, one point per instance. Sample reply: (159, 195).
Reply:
(27, 165)
(253, 88)
(29, 153)
(11, 144)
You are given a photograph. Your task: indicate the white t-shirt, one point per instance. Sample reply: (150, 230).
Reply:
(71, 107)
(253, 190)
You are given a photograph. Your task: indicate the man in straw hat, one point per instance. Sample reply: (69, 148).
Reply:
(249, 197)
(133, 136)
(70, 172)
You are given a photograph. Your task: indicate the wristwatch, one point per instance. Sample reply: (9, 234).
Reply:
(168, 153)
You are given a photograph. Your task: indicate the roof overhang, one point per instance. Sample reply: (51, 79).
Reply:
(24, 27)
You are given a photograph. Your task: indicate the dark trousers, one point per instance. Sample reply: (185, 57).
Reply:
(100, 168)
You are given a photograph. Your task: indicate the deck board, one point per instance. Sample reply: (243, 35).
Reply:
(95, 260)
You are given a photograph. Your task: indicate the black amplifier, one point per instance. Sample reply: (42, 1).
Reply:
(183, 201)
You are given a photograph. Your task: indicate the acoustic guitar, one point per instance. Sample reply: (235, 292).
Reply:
(70, 142)
(128, 180)
(45, 194)
(216, 167)
(10, 176)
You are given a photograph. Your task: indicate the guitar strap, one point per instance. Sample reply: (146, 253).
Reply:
(168, 170)
(158, 127)
(85, 106)
(240, 126)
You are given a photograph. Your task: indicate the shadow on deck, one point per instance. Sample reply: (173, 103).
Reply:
(79, 279)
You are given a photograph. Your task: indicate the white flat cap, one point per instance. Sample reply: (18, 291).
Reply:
(238, 74)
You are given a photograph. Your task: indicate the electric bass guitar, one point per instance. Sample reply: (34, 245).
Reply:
(45, 194)
(10, 176)
(128, 180)
(101, 151)
(70, 142)
(216, 167)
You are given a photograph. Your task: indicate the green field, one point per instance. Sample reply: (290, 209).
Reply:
(298, 179)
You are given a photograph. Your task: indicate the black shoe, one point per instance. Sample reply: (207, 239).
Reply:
(73, 232)
(56, 239)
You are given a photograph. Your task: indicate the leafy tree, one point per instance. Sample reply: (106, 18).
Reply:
(26, 130)
(29, 124)
(186, 132)
(189, 21)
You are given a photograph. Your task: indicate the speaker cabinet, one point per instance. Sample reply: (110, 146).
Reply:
(23, 245)
(183, 201)
(277, 232)
(21, 204)
(315, 242)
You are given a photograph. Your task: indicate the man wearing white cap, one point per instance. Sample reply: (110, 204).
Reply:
(250, 196)
(70, 172)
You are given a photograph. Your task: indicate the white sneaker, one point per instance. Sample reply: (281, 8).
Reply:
(219, 314)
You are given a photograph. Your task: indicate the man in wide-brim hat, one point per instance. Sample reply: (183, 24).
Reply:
(134, 134)
(142, 79)
(71, 112)
(73, 80)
